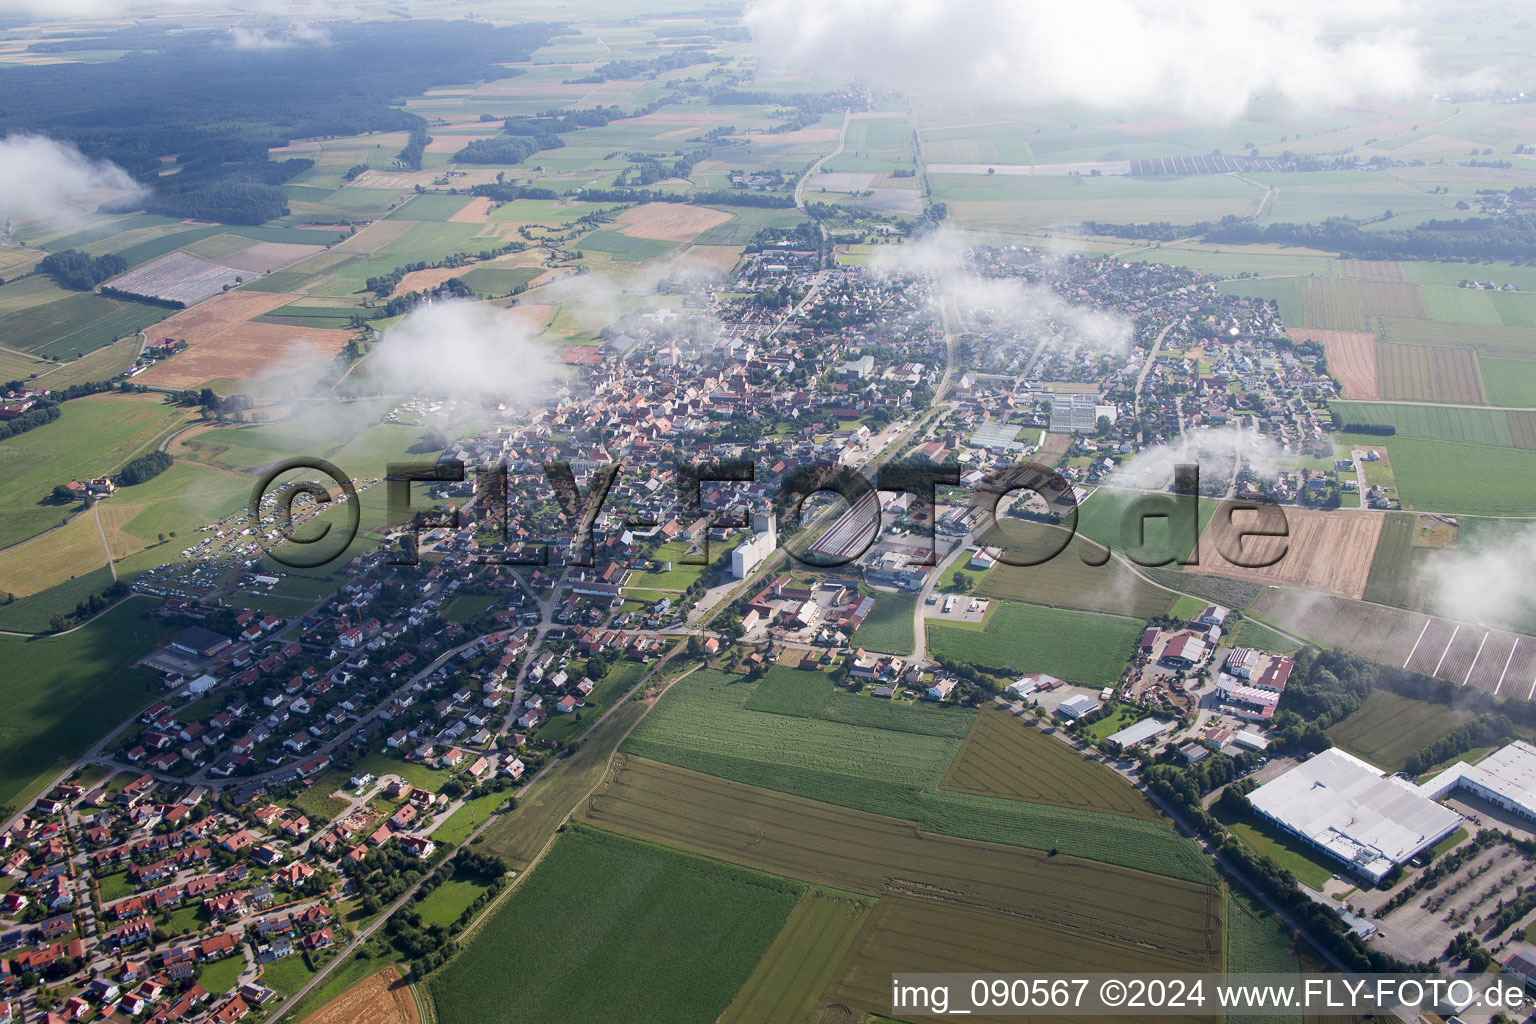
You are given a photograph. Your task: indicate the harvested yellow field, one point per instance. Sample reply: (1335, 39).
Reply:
(1329, 552)
(669, 222)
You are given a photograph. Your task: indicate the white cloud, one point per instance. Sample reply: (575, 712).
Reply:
(1220, 452)
(464, 349)
(1489, 583)
(44, 179)
(297, 34)
(1205, 58)
(1030, 308)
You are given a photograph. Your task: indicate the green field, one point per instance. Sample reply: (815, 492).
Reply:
(1078, 646)
(802, 961)
(615, 929)
(888, 629)
(1152, 540)
(1388, 728)
(1252, 633)
(1443, 423)
(64, 693)
(446, 903)
(1509, 381)
(1078, 576)
(91, 437)
(625, 248)
(1455, 477)
(705, 723)
(76, 324)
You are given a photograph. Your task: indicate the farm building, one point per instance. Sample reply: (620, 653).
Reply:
(1506, 778)
(1355, 813)
(1078, 706)
(1026, 685)
(1184, 651)
(1140, 732)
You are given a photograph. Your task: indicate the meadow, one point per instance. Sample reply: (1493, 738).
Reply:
(75, 324)
(1078, 646)
(64, 693)
(1440, 423)
(1509, 381)
(888, 629)
(704, 723)
(1012, 758)
(672, 937)
(1388, 727)
(92, 436)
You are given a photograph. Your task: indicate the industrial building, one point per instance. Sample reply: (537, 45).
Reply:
(750, 553)
(1139, 732)
(1079, 413)
(1355, 813)
(1077, 707)
(1505, 778)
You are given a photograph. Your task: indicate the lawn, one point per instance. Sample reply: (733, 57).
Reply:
(672, 937)
(1127, 715)
(1290, 853)
(445, 904)
(287, 975)
(222, 975)
(466, 608)
(707, 723)
(888, 629)
(468, 818)
(64, 693)
(1082, 647)
(1388, 728)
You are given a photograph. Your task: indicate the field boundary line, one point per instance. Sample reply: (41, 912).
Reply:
(468, 933)
(1417, 642)
(1476, 657)
(1504, 672)
(1455, 631)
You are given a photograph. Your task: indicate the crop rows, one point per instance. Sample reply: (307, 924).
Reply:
(1429, 373)
(1171, 921)
(1007, 758)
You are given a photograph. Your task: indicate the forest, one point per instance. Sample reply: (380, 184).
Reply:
(219, 109)
(1509, 237)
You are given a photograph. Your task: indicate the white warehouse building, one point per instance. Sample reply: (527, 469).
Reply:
(1506, 778)
(1354, 812)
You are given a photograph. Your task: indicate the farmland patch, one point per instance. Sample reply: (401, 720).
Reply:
(1327, 551)
(625, 909)
(1429, 373)
(1009, 757)
(1351, 359)
(179, 277)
